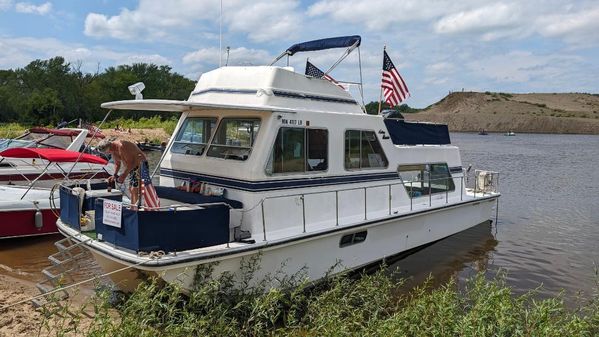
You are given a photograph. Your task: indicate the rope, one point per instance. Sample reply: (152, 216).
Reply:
(154, 255)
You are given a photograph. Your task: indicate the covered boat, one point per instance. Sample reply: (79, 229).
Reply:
(26, 210)
(22, 170)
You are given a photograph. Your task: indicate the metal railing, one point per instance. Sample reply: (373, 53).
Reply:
(409, 187)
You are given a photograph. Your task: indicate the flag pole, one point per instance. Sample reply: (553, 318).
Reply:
(381, 88)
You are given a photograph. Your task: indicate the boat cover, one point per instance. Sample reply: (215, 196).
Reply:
(53, 155)
(414, 133)
(329, 43)
(170, 231)
(63, 132)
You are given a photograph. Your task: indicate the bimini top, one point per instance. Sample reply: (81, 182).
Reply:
(63, 132)
(53, 155)
(322, 44)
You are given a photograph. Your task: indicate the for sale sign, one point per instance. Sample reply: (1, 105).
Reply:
(112, 213)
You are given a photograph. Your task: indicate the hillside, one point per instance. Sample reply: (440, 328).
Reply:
(500, 112)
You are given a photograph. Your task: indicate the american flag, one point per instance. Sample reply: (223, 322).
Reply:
(395, 89)
(313, 71)
(150, 198)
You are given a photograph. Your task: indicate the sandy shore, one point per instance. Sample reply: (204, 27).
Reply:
(22, 319)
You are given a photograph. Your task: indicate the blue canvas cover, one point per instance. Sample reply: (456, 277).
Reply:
(329, 43)
(413, 133)
(193, 198)
(166, 230)
(70, 213)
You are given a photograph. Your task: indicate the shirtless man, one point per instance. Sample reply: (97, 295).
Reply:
(132, 158)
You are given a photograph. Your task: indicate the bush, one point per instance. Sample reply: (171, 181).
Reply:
(369, 305)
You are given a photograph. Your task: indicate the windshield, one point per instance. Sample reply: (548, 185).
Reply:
(234, 138)
(193, 136)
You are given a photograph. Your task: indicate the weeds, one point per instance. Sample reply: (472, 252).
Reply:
(368, 305)
(155, 122)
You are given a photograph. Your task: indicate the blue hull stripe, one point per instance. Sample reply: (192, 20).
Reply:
(280, 184)
(256, 186)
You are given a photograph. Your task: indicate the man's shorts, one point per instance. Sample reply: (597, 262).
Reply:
(134, 174)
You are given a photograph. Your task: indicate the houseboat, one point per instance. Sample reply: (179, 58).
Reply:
(292, 172)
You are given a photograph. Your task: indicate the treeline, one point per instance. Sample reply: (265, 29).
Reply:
(49, 91)
(46, 92)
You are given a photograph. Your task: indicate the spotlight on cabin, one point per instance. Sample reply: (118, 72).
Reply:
(136, 89)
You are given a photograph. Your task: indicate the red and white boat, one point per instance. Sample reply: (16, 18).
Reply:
(21, 171)
(27, 210)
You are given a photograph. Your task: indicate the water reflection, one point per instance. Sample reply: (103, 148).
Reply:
(459, 256)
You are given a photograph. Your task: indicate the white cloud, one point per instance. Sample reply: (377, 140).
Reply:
(267, 20)
(578, 27)
(481, 20)
(153, 20)
(206, 58)
(25, 7)
(523, 66)
(380, 14)
(18, 52)
(5, 4)
(440, 67)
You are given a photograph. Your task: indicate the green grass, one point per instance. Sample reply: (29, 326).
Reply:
(11, 130)
(154, 122)
(340, 306)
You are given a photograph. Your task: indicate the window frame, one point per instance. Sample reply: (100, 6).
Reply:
(353, 241)
(363, 168)
(450, 179)
(220, 121)
(217, 123)
(305, 128)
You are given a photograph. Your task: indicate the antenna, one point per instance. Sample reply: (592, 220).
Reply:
(136, 89)
(220, 37)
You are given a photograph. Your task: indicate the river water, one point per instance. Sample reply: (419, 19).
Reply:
(547, 233)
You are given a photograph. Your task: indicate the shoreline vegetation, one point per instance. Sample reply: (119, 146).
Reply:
(368, 305)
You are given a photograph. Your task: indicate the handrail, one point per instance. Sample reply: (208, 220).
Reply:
(365, 188)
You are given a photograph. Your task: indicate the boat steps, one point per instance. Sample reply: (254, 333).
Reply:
(59, 274)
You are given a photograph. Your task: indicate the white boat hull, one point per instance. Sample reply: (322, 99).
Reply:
(316, 255)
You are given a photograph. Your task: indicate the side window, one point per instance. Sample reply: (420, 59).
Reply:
(193, 136)
(352, 239)
(317, 149)
(424, 179)
(234, 138)
(363, 150)
(299, 150)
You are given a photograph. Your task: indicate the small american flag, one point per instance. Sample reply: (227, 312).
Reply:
(313, 71)
(395, 89)
(150, 198)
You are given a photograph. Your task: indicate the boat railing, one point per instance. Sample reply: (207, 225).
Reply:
(486, 188)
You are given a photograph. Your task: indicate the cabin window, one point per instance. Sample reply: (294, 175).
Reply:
(424, 179)
(299, 150)
(234, 138)
(363, 150)
(194, 136)
(352, 239)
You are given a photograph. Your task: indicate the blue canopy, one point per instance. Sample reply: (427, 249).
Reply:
(329, 43)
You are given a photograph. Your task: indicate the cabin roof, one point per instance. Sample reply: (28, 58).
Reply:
(265, 88)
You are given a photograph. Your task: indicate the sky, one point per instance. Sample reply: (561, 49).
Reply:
(437, 46)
